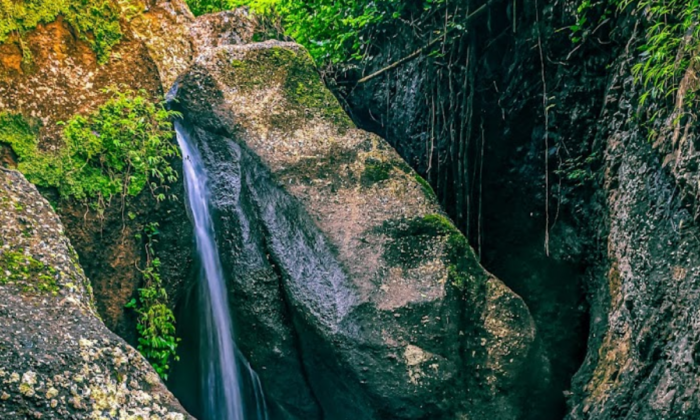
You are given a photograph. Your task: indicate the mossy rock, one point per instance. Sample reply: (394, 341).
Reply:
(411, 238)
(295, 71)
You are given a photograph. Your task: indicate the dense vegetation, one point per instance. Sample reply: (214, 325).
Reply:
(342, 32)
(117, 151)
(669, 46)
(334, 32)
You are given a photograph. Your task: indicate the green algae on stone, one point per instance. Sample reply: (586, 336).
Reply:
(376, 171)
(296, 72)
(411, 238)
(29, 273)
(426, 187)
(18, 133)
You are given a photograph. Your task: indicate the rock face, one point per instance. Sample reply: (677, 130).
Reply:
(65, 78)
(159, 39)
(57, 359)
(626, 207)
(476, 131)
(356, 298)
(643, 358)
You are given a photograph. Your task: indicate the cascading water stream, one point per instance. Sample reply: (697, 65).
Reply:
(222, 367)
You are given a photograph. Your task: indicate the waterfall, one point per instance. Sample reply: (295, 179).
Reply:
(223, 391)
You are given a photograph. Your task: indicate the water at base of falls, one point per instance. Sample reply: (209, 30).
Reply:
(232, 390)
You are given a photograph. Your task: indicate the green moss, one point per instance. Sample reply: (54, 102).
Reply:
(120, 149)
(18, 133)
(156, 321)
(24, 270)
(411, 239)
(297, 74)
(376, 171)
(95, 21)
(425, 186)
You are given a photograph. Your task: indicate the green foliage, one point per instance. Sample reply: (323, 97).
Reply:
(201, 7)
(24, 270)
(589, 14)
(334, 31)
(18, 133)
(156, 321)
(671, 44)
(118, 150)
(579, 170)
(95, 21)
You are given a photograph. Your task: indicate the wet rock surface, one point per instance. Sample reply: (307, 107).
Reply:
(57, 359)
(642, 358)
(380, 308)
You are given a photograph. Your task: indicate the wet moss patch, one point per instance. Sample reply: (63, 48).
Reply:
(412, 238)
(376, 171)
(425, 186)
(95, 22)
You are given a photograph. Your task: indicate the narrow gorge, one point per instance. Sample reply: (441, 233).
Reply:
(349, 210)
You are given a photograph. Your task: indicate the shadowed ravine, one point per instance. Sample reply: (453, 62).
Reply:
(222, 379)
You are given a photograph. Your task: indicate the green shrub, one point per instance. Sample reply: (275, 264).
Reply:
(671, 39)
(156, 321)
(118, 150)
(95, 21)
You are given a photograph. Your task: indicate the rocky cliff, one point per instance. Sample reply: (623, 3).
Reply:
(351, 286)
(355, 296)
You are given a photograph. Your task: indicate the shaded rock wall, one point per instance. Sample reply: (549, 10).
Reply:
(642, 360)
(472, 121)
(623, 230)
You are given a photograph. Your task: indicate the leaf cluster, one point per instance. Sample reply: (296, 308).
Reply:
(156, 322)
(334, 31)
(670, 46)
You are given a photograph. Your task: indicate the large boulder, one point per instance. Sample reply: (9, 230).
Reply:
(348, 279)
(57, 359)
